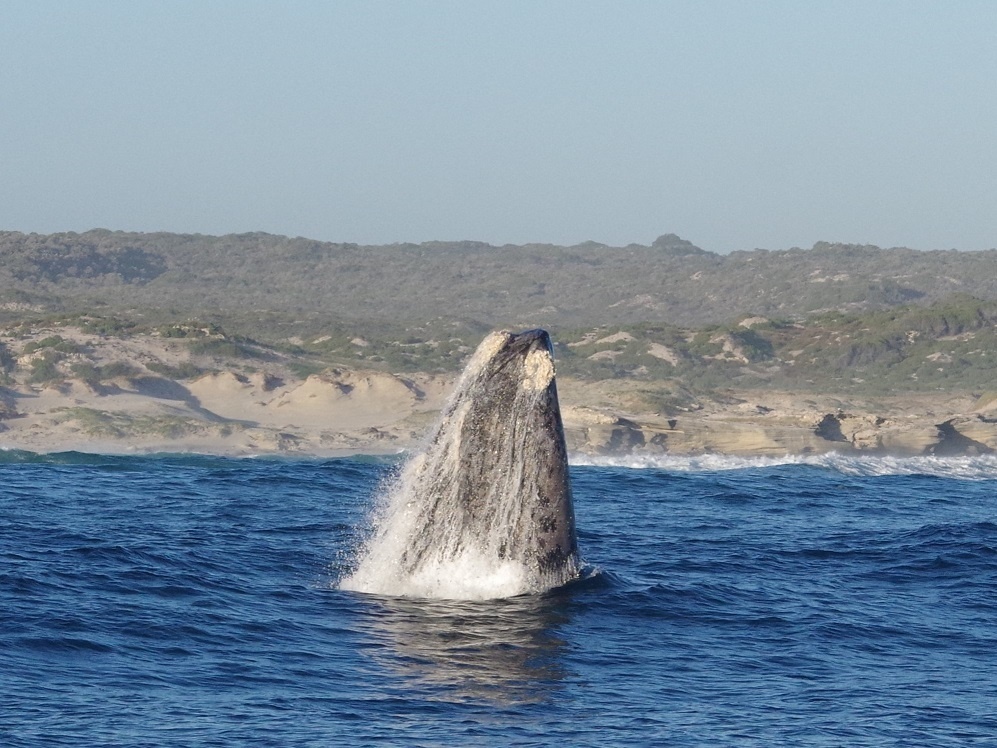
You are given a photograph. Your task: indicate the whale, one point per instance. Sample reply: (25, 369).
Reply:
(485, 509)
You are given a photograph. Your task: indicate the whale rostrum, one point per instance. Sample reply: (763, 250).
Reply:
(485, 510)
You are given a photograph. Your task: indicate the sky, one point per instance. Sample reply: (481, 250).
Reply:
(737, 125)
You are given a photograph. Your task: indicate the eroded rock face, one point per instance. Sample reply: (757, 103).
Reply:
(689, 436)
(622, 436)
(909, 439)
(771, 433)
(970, 435)
(863, 432)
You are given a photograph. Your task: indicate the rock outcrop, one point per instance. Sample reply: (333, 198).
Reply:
(752, 429)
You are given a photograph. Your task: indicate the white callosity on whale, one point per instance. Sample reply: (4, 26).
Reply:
(485, 510)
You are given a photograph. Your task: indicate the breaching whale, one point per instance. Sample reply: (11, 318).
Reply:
(485, 510)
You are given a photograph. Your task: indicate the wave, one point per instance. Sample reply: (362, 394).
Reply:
(969, 467)
(102, 460)
(974, 467)
(10, 456)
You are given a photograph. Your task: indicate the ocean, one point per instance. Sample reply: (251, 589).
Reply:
(194, 601)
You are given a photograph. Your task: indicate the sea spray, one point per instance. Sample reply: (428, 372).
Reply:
(967, 467)
(484, 511)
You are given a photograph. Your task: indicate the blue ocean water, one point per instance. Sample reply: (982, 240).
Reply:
(192, 601)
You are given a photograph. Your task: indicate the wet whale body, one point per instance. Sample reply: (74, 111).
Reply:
(485, 510)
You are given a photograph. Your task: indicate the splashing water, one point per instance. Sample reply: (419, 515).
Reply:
(485, 511)
(975, 467)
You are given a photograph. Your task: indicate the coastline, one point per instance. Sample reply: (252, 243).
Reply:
(346, 413)
(124, 395)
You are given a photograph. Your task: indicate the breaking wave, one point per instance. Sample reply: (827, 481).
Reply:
(974, 467)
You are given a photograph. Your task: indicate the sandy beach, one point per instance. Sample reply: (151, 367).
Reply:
(264, 409)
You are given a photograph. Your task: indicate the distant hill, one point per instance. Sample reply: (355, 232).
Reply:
(473, 284)
(835, 317)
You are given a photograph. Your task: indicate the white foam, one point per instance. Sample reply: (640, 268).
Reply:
(975, 467)
(473, 573)
(469, 576)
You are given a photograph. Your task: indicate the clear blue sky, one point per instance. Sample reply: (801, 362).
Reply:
(734, 124)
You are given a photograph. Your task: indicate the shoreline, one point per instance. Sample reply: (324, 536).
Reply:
(123, 420)
(71, 389)
(239, 409)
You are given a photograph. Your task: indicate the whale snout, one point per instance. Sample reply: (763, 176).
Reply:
(534, 339)
(523, 343)
(517, 360)
(534, 349)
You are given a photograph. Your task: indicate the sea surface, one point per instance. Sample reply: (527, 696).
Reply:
(193, 601)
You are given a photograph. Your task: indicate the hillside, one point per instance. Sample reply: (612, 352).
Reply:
(265, 343)
(99, 383)
(838, 317)
(263, 285)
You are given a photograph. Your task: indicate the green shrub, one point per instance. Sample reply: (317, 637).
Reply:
(44, 368)
(86, 371)
(7, 364)
(52, 341)
(191, 329)
(117, 369)
(221, 348)
(95, 422)
(305, 369)
(185, 370)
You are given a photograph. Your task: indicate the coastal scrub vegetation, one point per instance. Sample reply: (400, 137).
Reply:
(254, 283)
(113, 425)
(835, 317)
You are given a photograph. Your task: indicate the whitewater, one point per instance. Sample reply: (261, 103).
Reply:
(977, 467)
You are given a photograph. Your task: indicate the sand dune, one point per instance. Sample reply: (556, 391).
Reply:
(262, 407)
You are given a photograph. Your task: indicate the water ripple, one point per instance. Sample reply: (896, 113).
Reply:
(176, 601)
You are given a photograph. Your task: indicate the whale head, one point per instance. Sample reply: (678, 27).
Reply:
(489, 498)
